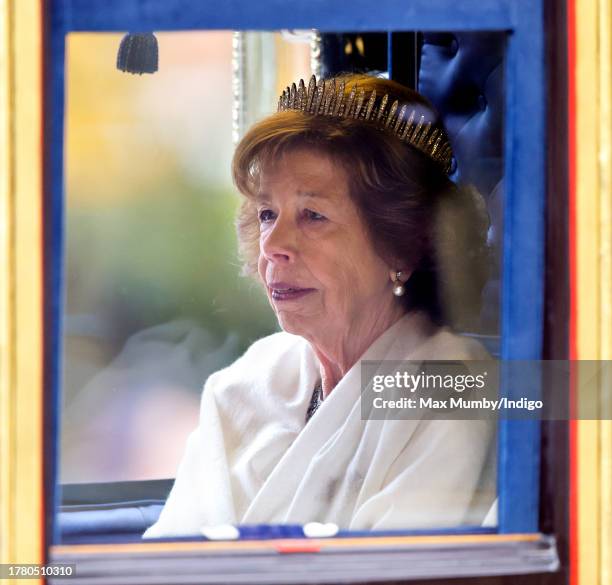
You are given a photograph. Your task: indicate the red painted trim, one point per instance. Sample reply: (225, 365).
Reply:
(573, 308)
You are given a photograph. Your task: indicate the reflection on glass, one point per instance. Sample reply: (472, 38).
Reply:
(154, 300)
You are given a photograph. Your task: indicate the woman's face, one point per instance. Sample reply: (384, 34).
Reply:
(316, 259)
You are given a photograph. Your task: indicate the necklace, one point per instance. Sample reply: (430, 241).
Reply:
(315, 401)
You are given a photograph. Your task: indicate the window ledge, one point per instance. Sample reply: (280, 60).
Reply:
(341, 560)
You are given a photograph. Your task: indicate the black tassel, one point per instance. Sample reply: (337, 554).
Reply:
(138, 53)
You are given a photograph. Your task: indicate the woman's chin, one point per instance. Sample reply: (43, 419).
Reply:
(294, 323)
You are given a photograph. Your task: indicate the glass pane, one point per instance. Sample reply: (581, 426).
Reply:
(156, 303)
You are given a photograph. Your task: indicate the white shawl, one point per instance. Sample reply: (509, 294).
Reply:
(253, 459)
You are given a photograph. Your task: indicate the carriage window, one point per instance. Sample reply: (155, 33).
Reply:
(155, 298)
(163, 393)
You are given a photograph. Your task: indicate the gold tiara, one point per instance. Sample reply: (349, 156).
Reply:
(325, 99)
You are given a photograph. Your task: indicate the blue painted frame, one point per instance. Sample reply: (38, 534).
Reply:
(523, 270)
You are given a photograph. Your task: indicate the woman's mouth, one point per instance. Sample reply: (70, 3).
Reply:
(284, 292)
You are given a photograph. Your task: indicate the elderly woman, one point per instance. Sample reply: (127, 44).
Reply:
(366, 251)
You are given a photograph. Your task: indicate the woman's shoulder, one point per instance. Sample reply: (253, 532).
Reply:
(277, 344)
(279, 351)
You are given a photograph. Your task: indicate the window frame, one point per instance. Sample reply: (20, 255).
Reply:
(522, 304)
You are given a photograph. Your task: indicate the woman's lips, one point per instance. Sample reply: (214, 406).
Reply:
(283, 291)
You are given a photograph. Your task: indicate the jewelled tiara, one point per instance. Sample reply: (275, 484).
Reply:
(325, 99)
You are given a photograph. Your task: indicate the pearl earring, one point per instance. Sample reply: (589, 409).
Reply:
(398, 286)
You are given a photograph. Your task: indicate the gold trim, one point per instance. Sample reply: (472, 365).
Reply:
(605, 258)
(587, 285)
(594, 279)
(605, 168)
(6, 293)
(21, 486)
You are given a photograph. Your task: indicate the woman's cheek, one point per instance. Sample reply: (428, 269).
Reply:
(340, 280)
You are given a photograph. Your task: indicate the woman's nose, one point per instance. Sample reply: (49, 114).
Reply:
(278, 244)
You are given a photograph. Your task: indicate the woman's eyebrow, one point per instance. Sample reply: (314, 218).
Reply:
(262, 198)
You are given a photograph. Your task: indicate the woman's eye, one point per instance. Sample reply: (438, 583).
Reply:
(265, 215)
(313, 215)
